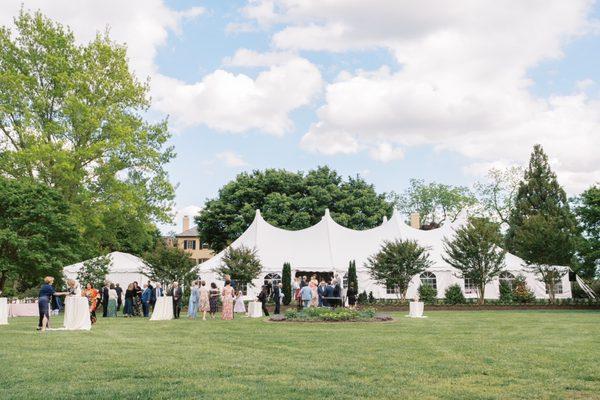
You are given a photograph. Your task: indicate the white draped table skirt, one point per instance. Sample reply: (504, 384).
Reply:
(415, 309)
(255, 309)
(77, 314)
(3, 311)
(163, 309)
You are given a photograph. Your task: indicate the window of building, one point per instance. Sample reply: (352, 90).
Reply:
(428, 278)
(507, 278)
(470, 286)
(204, 245)
(201, 260)
(272, 279)
(345, 281)
(558, 287)
(392, 289)
(189, 244)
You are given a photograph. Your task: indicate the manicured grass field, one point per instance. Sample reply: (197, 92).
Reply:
(450, 355)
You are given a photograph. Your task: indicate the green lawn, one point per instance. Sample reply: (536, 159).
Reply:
(450, 355)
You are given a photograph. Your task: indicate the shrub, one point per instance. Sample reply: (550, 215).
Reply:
(506, 293)
(286, 279)
(427, 293)
(454, 295)
(371, 298)
(521, 292)
(291, 314)
(362, 298)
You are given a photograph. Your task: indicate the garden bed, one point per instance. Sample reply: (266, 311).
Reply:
(331, 315)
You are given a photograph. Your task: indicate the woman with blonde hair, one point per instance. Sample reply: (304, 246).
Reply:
(46, 292)
(314, 284)
(129, 295)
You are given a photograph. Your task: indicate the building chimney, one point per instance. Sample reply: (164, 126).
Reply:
(186, 223)
(415, 220)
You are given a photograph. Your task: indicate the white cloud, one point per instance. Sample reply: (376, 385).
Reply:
(221, 100)
(385, 152)
(237, 103)
(231, 159)
(251, 58)
(462, 84)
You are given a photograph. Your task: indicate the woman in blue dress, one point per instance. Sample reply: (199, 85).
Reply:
(194, 301)
(47, 291)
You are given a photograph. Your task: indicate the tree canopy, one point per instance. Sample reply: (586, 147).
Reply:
(169, 264)
(475, 251)
(497, 195)
(396, 263)
(38, 235)
(587, 209)
(72, 118)
(290, 200)
(435, 202)
(240, 264)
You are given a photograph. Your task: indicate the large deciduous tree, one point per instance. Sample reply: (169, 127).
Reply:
(435, 202)
(475, 251)
(37, 233)
(498, 193)
(396, 263)
(542, 229)
(72, 117)
(587, 209)
(291, 200)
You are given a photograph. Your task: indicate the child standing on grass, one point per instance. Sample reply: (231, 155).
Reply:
(239, 307)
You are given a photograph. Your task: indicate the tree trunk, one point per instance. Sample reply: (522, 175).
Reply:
(551, 292)
(2, 281)
(481, 293)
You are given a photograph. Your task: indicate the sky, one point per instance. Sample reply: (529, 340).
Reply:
(387, 89)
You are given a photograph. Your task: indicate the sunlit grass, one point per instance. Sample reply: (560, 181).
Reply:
(450, 355)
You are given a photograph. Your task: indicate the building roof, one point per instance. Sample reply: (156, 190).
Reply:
(192, 232)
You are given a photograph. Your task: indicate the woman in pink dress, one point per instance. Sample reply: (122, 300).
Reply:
(227, 300)
(313, 285)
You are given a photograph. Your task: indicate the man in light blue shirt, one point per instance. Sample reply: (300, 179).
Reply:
(306, 296)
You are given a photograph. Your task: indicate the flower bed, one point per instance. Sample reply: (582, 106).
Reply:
(331, 315)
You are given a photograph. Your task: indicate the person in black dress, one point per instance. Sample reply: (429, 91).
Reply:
(119, 291)
(213, 298)
(129, 295)
(351, 295)
(47, 291)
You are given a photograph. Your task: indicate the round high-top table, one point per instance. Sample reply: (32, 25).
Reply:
(3, 311)
(77, 314)
(255, 309)
(163, 309)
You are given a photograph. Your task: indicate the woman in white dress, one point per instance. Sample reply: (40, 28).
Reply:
(239, 306)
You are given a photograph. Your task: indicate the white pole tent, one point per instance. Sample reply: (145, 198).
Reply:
(123, 269)
(328, 247)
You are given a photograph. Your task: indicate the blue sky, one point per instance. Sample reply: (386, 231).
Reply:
(385, 89)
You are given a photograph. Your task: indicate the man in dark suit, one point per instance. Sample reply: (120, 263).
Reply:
(277, 297)
(337, 293)
(328, 296)
(119, 291)
(105, 299)
(177, 294)
(321, 291)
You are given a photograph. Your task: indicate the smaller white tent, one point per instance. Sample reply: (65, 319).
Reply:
(124, 268)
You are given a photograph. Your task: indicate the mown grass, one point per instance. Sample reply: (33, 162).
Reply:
(450, 355)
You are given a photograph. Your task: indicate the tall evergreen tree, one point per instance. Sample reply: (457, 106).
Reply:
(286, 280)
(352, 278)
(542, 228)
(587, 208)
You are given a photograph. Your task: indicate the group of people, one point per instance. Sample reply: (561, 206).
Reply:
(139, 301)
(312, 293)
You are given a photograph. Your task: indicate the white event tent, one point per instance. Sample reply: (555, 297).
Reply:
(123, 269)
(327, 248)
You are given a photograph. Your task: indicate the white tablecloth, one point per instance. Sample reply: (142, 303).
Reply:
(415, 309)
(255, 309)
(163, 309)
(77, 314)
(3, 311)
(23, 310)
